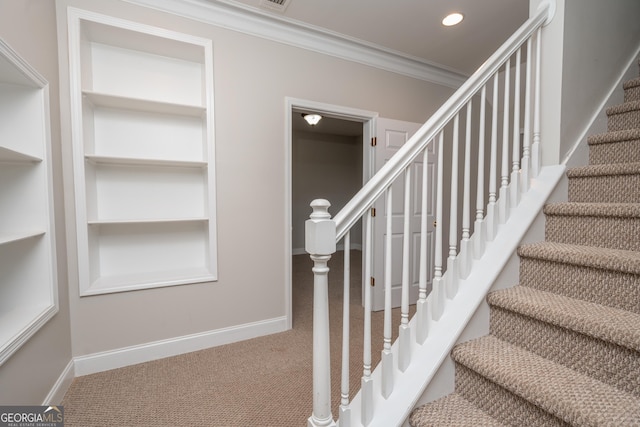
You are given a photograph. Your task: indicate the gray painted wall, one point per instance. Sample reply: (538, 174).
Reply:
(323, 166)
(600, 38)
(252, 78)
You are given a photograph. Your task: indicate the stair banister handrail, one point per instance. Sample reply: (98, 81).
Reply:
(369, 193)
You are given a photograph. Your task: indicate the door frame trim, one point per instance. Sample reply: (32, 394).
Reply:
(368, 119)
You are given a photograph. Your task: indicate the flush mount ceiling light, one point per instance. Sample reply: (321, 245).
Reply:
(312, 119)
(452, 19)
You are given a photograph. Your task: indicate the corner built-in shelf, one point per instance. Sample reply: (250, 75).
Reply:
(143, 150)
(28, 282)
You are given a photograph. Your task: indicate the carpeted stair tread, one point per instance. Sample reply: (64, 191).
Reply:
(631, 83)
(586, 256)
(451, 410)
(608, 225)
(632, 90)
(625, 107)
(624, 116)
(618, 210)
(598, 321)
(604, 170)
(615, 136)
(573, 397)
(621, 146)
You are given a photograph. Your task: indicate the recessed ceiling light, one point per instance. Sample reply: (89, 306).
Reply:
(452, 19)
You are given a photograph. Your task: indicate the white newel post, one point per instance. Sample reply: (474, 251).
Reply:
(320, 243)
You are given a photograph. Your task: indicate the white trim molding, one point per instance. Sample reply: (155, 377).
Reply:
(247, 20)
(61, 386)
(113, 359)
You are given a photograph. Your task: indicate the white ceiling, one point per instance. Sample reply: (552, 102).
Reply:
(413, 26)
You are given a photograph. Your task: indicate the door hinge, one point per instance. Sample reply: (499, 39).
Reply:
(373, 211)
(373, 281)
(374, 141)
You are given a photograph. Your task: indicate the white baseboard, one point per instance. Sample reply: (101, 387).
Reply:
(104, 361)
(61, 386)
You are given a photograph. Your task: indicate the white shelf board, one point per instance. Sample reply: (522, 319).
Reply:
(137, 104)
(132, 282)
(6, 238)
(112, 160)
(9, 155)
(144, 221)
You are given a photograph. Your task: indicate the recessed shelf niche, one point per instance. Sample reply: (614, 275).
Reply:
(143, 151)
(28, 278)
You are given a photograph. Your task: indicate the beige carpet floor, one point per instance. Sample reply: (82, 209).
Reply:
(261, 382)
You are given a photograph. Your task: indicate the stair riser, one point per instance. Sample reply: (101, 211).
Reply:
(605, 189)
(612, 364)
(624, 121)
(607, 232)
(606, 287)
(615, 152)
(632, 94)
(499, 402)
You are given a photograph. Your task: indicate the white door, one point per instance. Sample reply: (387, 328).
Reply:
(391, 135)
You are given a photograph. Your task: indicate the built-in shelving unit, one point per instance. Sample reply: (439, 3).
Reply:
(142, 130)
(28, 278)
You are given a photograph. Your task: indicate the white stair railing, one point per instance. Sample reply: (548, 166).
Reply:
(466, 242)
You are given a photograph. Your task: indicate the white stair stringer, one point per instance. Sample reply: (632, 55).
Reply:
(444, 333)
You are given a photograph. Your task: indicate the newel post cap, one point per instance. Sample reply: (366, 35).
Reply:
(320, 230)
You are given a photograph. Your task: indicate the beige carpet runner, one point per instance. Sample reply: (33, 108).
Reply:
(564, 345)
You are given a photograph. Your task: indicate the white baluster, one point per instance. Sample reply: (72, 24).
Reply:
(452, 262)
(492, 220)
(515, 160)
(366, 387)
(466, 255)
(344, 419)
(421, 306)
(404, 334)
(387, 356)
(503, 199)
(437, 291)
(479, 233)
(526, 143)
(535, 147)
(320, 243)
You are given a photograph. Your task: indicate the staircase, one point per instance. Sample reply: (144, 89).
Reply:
(564, 344)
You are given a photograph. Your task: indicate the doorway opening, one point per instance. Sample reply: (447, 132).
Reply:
(328, 160)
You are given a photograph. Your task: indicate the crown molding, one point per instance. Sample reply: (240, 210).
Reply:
(241, 18)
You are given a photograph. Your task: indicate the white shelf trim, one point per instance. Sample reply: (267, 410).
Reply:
(136, 104)
(133, 282)
(9, 155)
(144, 221)
(6, 238)
(25, 74)
(112, 160)
(31, 318)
